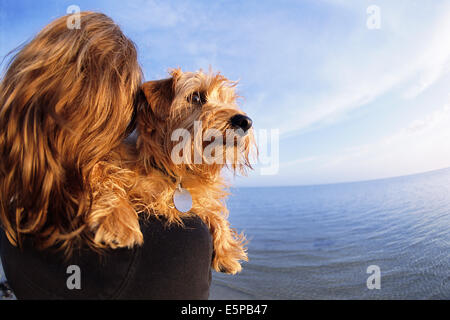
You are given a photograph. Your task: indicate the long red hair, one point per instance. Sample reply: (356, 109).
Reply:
(66, 100)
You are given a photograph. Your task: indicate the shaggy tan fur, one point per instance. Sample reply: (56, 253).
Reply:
(141, 179)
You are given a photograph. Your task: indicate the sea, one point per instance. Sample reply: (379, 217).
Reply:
(382, 239)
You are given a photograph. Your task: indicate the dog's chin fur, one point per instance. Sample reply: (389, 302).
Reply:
(140, 179)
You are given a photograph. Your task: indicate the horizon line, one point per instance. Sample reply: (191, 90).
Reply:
(345, 182)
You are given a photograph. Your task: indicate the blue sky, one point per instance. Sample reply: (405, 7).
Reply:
(350, 103)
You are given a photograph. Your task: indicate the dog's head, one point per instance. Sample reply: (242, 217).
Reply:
(192, 123)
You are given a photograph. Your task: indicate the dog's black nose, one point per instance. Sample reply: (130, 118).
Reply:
(242, 122)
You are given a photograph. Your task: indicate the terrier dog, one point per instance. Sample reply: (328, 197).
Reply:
(145, 178)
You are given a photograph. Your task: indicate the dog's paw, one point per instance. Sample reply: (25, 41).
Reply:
(231, 267)
(115, 231)
(118, 239)
(229, 261)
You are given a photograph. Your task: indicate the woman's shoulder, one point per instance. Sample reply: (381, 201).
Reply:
(193, 233)
(173, 263)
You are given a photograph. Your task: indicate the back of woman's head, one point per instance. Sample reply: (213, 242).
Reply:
(66, 100)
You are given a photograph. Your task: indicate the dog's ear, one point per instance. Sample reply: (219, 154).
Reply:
(159, 95)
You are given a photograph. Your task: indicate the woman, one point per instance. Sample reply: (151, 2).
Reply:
(66, 101)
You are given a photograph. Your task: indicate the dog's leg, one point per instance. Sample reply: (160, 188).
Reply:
(229, 246)
(117, 226)
(112, 218)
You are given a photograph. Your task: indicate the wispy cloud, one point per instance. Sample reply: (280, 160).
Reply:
(366, 65)
(422, 145)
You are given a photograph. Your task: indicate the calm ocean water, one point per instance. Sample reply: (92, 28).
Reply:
(316, 242)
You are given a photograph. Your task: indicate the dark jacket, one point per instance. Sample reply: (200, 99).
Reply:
(173, 263)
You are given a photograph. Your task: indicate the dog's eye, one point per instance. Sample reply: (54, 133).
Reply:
(198, 98)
